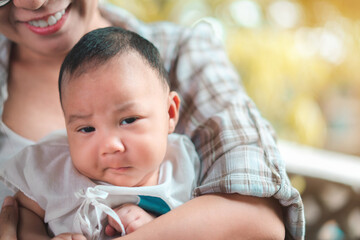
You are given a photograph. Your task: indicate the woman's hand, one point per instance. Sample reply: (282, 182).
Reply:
(9, 219)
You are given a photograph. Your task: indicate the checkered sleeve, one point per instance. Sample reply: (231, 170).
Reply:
(235, 143)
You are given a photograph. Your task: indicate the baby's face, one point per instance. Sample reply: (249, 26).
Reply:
(117, 119)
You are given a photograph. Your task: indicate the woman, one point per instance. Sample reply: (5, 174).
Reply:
(238, 153)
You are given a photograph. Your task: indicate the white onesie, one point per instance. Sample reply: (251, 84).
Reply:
(73, 203)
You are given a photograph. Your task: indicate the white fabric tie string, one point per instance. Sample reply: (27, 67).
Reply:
(91, 197)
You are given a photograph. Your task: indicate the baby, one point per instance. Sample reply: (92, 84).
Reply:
(119, 111)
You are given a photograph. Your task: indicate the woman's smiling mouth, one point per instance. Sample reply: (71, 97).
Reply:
(50, 21)
(49, 24)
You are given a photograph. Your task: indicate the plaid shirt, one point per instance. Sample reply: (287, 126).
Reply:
(236, 145)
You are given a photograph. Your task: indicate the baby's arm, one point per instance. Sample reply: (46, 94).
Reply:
(131, 216)
(31, 224)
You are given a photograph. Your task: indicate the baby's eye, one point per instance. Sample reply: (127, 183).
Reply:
(87, 129)
(128, 120)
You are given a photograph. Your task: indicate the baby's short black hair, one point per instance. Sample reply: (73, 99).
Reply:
(98, 46)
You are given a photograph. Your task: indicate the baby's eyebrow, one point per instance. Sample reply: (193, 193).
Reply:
(125, 106)
(119, 108)
(74, 117)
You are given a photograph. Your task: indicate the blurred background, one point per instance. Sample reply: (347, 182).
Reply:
(299, 60)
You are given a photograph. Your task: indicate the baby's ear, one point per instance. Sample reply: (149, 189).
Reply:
(173, 110)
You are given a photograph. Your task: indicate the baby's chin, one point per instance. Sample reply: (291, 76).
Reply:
(125, 177)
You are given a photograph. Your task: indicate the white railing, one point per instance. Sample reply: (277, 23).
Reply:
(331, 194)
(318, 163)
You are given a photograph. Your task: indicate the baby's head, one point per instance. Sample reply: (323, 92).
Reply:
(118, 107)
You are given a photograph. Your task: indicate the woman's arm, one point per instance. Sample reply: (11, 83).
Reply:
(27, 223)
(31, 224)
(217, 216)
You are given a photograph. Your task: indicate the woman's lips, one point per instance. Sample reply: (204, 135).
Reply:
(50, 24)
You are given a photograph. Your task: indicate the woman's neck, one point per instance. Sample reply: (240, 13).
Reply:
(32, 109)
(25, 56)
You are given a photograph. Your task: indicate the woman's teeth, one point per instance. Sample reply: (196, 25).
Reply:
(49, 22)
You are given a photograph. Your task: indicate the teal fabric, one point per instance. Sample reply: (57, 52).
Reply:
(153, 204)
